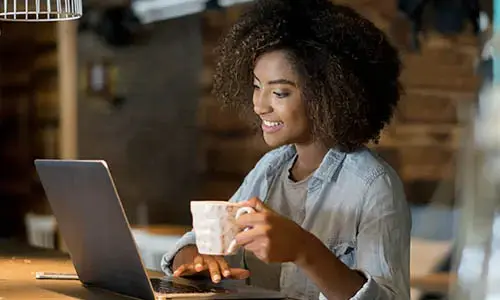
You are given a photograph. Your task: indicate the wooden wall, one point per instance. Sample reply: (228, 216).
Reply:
(28, 117)
(420, 143)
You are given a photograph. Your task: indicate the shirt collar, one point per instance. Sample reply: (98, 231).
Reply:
(330, 165)
(327, 169)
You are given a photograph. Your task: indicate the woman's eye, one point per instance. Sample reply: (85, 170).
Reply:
(256, 87)
(281, 94)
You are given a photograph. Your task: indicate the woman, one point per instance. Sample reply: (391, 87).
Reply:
(332, 220)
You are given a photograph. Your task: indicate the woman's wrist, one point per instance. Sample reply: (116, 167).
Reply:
(306, 250)
(185, 255)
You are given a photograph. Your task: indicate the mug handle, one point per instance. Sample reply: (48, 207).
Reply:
(240, 212)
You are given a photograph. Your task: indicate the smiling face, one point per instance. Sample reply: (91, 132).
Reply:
(278, 102)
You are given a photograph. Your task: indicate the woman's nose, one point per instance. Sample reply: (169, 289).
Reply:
(261, 105)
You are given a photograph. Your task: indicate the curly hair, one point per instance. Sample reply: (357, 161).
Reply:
(348, 71)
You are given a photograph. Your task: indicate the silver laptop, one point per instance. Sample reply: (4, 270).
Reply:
(97, 235)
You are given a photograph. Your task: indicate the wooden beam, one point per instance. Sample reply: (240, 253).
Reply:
(68, 89)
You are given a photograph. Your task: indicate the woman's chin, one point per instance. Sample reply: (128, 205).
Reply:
(274, 141)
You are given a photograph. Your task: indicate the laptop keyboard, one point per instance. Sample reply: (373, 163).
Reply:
(180, 286)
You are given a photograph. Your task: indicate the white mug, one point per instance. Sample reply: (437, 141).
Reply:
(214, 224)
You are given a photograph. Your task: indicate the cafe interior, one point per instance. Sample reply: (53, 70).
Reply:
(129, 82)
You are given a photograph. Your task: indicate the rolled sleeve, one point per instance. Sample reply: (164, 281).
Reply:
(168, 259)
(383, 242)
(369, 290)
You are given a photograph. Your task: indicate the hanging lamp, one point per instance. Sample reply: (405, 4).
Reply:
(40, 10)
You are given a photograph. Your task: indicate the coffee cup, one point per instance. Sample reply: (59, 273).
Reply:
(214, 224)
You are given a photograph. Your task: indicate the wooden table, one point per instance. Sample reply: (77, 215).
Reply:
(164, 229)
(434, 283)
(18, 264)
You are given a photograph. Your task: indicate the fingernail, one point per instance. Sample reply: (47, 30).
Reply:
(226, 273)
(216, 278)
(198, 267)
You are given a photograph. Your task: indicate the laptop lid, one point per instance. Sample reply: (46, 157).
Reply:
(92, 221)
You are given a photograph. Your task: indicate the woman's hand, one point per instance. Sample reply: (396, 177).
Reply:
(271, 237)
(214, 267)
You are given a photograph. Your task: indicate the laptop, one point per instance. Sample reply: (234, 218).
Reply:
(92, 222)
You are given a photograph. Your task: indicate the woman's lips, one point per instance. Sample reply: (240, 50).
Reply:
(272, 126)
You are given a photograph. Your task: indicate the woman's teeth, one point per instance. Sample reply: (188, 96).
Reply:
(271, 124)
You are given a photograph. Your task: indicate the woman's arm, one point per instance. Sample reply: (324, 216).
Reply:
(167, 262)
(184, 256)
(382, 255)
(274, 238)
(334, 279)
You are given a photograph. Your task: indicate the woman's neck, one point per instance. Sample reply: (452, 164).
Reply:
(309, 158)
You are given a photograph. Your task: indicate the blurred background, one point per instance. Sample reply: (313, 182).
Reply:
(130, 83)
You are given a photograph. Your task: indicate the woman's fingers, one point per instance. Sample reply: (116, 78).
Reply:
(185, 270)
(197, 266)
(180, 271)
(214, 269)
(199, 263)
(217, 268)
(256, 204)
(224, 267)
(248, 236)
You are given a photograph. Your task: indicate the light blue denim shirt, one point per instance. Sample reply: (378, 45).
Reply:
(355, 205)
